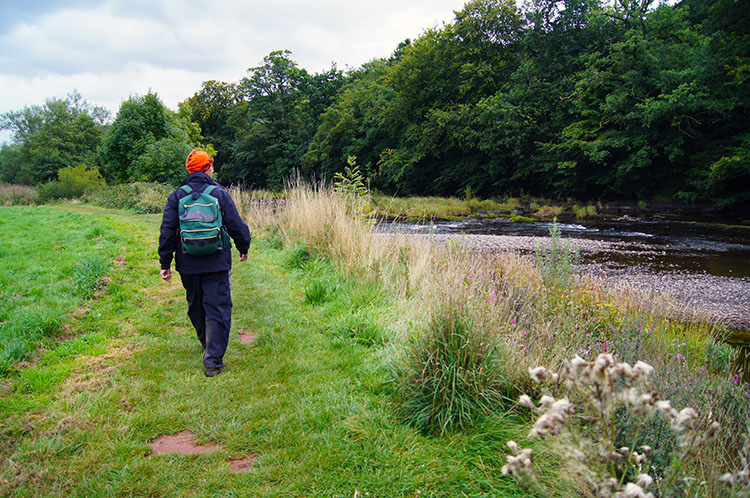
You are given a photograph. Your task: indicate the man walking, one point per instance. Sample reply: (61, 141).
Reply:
(204, 263)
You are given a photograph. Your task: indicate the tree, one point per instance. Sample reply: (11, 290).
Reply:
(351, 126)
(638, 105)
(212, 108)
(276, 119)
(437, 84)
(148, 142)
(61, 133)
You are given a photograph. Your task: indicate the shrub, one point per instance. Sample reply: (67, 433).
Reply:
(18, 195)
(449, 378)
(73, 182)
(356, 192)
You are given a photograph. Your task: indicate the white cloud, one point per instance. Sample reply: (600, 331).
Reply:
(115, 48)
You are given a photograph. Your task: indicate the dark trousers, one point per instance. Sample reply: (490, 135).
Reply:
(210, 310)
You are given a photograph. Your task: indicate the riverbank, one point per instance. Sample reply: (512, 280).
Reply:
(529, 209)
(725, 299)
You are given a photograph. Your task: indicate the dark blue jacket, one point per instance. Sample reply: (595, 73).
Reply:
(169, 239)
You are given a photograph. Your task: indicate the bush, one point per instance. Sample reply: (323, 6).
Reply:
(141, 197)
(73, 182)
(18, 195)
(449, 378)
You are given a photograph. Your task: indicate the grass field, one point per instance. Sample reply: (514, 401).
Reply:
(382, 365)
(310, 397)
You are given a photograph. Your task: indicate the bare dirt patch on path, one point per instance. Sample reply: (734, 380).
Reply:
(247, 337)
(183, 443)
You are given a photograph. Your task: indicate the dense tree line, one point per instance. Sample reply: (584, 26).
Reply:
(560, 98)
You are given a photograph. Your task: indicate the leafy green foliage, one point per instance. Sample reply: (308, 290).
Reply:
(580, 99)
(274, 118)
(352, 185)
(73, 182)
(61, 133)
(148, 143)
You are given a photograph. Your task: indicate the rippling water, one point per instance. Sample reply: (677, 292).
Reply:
(658, 245)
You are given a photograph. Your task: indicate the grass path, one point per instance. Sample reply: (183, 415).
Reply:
(314, 408)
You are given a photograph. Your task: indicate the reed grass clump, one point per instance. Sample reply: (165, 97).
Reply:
(88, 275)
(21, 332)
(448, 378)
(361, 327)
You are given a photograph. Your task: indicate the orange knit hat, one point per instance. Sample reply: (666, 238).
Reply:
(198, 160)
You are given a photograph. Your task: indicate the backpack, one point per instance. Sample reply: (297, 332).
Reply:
(201, 225)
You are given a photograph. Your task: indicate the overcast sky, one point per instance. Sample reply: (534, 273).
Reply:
(111, 49)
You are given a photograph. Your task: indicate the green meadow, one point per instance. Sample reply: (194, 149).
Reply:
(120, 367)
(381, 365)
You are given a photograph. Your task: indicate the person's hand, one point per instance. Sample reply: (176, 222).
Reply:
(243, 257)
(166, 274)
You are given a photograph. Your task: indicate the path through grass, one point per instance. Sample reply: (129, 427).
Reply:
(308, 397)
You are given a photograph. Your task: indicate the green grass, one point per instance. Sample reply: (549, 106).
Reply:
(311, 397)
(51, 262)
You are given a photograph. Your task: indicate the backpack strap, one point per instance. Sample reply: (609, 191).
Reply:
(209, 189)
(187, 188)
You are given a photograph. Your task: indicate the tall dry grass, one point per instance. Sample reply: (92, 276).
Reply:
(507, 302)
(505, 290)
(18, 195)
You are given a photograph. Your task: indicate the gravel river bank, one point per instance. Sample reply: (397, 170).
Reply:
(724, 298)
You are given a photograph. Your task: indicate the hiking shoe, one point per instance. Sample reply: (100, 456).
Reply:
(213, 373)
